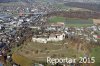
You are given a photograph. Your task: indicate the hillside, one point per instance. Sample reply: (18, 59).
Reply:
(85, 1)
(90, 6)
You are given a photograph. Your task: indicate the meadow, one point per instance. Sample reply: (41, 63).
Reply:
(55, 19)
(71, 22)
(76, 22)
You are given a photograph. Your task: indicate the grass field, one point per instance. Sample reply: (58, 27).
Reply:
(55, 19)
(40, 52)
(76, 22)
(96, 53)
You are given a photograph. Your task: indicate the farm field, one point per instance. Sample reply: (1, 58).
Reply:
(76, 22)
(55, 19)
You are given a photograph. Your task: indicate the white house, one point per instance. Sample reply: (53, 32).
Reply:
(57, 37)
(53, 37)
(39, 40)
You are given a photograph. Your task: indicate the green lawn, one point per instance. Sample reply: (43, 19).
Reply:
(96, 53)
(76, 22)
(56, 19)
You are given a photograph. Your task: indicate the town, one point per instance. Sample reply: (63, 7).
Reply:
(31, 25)
(16, 30)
